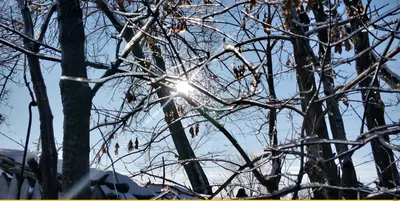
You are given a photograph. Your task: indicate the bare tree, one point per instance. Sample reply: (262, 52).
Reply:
(245, 180)
(374, 110)
(228, 78)
(8, 61)
(48, 159)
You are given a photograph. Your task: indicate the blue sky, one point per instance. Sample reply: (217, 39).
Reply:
(16, 113)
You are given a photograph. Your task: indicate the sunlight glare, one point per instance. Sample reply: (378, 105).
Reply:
(184, 87)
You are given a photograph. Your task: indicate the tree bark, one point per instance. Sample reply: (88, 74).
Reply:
(317, 125)
(76, 100)
(386, 165)
(349, 176)
(48, 157)
(390, 77)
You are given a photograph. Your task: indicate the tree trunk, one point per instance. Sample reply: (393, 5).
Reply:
(390, 77)
(272, 131)
(349, 177)
(384, 160)
(195, 172)
(48, 157)
(317, 125)
(76, 100)
(196, 175)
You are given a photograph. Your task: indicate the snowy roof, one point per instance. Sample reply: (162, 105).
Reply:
(112, 184)
(17, 155)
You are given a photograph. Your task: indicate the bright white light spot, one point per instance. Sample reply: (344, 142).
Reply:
(184, 87)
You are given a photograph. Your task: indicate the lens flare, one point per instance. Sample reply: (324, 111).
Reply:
(184, 87)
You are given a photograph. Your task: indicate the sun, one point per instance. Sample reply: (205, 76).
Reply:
(184, 87)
